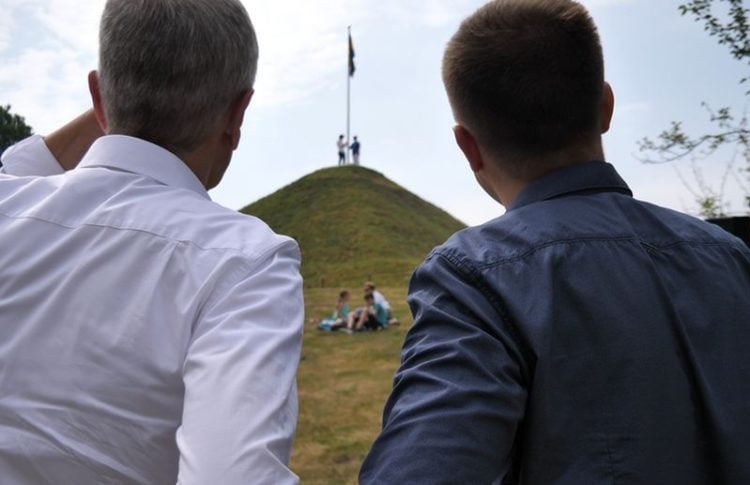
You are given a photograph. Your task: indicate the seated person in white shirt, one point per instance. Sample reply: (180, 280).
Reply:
(380, 300)
(147, 334)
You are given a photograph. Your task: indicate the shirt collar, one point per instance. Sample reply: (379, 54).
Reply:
(590, 176)
(138, 156)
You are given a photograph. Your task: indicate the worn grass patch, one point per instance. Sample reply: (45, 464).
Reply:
(343, 383)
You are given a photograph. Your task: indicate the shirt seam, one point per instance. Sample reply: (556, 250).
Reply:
(475, 277)
(234, 277)
(137, 230)
(534, 249)
(530, 251)
(690, 243)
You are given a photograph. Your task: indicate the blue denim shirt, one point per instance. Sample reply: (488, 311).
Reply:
(584, 337)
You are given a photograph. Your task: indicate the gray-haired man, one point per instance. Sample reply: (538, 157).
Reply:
(147, 335)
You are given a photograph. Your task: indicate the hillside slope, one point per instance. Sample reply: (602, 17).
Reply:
(353, 224)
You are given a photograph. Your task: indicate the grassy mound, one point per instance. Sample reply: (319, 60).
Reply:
(353, 225)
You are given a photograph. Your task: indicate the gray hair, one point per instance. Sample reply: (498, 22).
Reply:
(169, 69)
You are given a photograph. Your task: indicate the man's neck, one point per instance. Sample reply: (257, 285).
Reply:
(208, 162)
(507, 187)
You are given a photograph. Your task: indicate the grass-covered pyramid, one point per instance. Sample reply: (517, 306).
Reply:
(354, 224)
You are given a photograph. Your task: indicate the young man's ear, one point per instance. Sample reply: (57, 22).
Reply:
(608, 107)
(236, 117)
(468, 145)
(96, 99)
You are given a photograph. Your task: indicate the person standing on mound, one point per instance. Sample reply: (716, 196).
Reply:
(341, 145)
(355, 150)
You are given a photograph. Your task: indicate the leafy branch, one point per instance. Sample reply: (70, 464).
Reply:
(732, 32)
(674, 143)
(731, 28)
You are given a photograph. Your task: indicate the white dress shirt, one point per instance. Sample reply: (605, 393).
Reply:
(147, 334)
(29, 157)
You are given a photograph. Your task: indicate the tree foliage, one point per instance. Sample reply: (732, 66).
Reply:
(731, 28)
(727, 21)
(12, 128)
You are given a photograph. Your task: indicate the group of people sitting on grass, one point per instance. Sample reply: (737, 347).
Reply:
(375, 315)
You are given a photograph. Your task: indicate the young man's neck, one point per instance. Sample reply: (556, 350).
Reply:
(507, 187)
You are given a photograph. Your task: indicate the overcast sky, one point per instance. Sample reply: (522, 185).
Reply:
(660, 64)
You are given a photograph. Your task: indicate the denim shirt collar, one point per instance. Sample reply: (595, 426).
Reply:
(590, 176)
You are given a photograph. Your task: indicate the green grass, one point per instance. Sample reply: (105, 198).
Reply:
(353, 225)
(343, 383)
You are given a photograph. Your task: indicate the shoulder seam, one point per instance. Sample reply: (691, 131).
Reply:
(495, 300)
(178, 241)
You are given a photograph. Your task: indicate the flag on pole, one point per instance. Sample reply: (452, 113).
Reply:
(351, 56)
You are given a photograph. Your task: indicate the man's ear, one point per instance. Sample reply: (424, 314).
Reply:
(468, 145)
(236, 117)
(608, 107)
(96, 99)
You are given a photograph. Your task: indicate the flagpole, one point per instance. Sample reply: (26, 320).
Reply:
(348, 97)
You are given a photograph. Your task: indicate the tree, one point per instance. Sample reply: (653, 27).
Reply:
(12, 128)
(730, 131)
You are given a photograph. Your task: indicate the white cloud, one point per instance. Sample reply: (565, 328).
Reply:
(9, 21)
(72, 22)
(433, 13)
(302, 46)
(7, 24)
(46, 86)
(51, 46)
